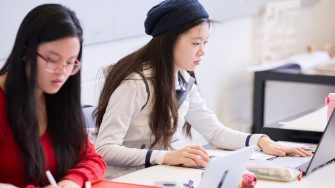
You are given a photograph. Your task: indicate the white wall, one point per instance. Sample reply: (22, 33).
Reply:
(96, 57)
(316, 26)
(223, 79)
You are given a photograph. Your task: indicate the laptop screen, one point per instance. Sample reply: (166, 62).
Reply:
(324, 152)
(226, 171)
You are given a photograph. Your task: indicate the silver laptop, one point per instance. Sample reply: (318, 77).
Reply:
(323, 155)
(226, 171)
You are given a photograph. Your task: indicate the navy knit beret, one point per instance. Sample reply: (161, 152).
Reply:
(170, 14)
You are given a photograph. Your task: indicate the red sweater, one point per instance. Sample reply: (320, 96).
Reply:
(91, 167)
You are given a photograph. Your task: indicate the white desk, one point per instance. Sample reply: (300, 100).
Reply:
(322, 178)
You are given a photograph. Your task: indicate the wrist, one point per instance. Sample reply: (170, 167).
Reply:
(167, 158)
(262, 141)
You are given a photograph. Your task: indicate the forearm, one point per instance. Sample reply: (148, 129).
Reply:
(91, 167)
(207, 124)
(116, 155)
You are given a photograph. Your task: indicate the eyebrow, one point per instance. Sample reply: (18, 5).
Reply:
(57, 54)
(200, 38)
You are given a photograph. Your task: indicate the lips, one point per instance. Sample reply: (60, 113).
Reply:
(57, 81)
(197, 62)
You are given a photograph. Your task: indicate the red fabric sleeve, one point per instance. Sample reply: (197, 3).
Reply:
(91, 167)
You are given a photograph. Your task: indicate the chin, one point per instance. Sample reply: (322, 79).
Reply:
(52, 91)
(190, 69)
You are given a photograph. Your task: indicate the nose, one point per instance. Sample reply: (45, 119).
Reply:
(62, 68)
(201, 51)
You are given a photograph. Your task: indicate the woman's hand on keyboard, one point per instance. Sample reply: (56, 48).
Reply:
(191, 156)
(273, 148)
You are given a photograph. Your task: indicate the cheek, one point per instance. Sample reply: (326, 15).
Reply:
(188, 55)
(183, 53)
(180, 58)
(41, 76)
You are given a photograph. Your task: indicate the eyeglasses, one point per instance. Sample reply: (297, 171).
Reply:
(71, 68)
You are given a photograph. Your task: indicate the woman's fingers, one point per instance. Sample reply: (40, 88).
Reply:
(307, 153)
(198, 160)
(282, 151)
(273, 148)
(191, 156)
(298, 151)
(200, 148)
(197, 151)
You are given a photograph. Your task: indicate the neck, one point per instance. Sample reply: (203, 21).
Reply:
(40, 99)
(41, 113)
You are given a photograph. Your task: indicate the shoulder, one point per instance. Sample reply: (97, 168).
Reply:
(141, 85)
(146, 73)
(135, 85)
(141, 79)
(136, 80)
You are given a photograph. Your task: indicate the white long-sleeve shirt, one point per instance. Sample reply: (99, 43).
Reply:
(124, 136)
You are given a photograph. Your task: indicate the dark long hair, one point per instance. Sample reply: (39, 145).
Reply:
(65, 121)
(158, 55)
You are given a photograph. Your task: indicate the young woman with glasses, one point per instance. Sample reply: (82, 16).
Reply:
(41, 122)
